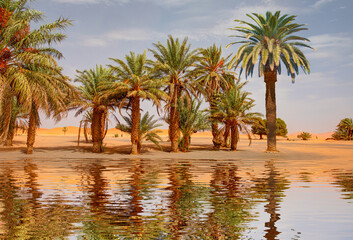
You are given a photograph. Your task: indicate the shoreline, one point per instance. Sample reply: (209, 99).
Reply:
(65, 147)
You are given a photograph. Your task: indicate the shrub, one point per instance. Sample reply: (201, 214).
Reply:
(304, 135)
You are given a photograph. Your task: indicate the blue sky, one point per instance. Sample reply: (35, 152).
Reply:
(106, 29)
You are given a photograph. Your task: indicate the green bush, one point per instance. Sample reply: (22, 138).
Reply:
(304, 135)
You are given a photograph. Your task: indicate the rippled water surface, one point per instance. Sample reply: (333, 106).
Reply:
(173, 199)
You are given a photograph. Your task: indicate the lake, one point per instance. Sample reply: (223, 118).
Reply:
(174, 199)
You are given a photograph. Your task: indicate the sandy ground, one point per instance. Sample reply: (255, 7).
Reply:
(52, 143)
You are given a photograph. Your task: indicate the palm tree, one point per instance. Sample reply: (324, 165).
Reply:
(269, 42)
(19, 120)
(93, 82)
(86, 121)
(346, 125)
(191, 120)
(174, 61)
(212, 76)
(233, 108)
(145, 131)
(29, 70)
(135, 82)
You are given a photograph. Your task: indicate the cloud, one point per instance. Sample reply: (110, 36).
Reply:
(319, 3)
(133, 34)
(332, 47)
(165, 3)
(94, 42)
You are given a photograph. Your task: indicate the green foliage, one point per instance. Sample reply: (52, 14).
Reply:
(135, 78)
(64, 130)
(29, 70)
(191, 120)
(269, 41)
(259, 127)
(304, 135)
(281, 128)
(234, 107)
(344, 130)
(146, 129)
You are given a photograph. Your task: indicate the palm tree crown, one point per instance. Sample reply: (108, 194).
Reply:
(270, 41)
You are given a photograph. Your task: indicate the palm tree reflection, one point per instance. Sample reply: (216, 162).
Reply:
(271, 187)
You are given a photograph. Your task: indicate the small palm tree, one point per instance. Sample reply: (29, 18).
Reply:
(191, 120)
(304, 135)
(233, 108)
(346, 125)
(85, 122)
(64, 130)
(135, 82)
(174, 61)
(269, 41)
(92, 99)
(146, 130)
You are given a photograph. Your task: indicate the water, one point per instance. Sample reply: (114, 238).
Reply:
(174, 199)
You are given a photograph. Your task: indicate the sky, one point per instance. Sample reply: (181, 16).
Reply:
(315, 103)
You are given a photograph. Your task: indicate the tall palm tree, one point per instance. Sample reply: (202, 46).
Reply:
(146, 131)
(269, 41)
(174, 61)
(29, 70)
(93, 82)
(136, 82)
(233, 108)
(213, 75)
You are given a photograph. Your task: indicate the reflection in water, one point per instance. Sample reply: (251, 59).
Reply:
(230, 204)
(24, 215)
(345, 181)
(271, 187)
(145, 199)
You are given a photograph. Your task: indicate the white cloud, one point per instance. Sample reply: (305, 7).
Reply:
(133, 34)
(332, 47)
(319, 3)
(94, 42)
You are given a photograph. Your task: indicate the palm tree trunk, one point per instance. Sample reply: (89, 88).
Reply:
(10, 135)
(31, 133)
(185, 143)
(174, 121)
(6, 108)
(215, 131)
(226, 135)
(135, 123)
(79, 134)
(270, 80)
(234, 137)
(85, 131)
(97, 128)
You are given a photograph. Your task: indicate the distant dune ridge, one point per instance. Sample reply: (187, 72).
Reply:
(112, 131)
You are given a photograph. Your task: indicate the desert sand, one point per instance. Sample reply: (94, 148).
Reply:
(53, 144)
